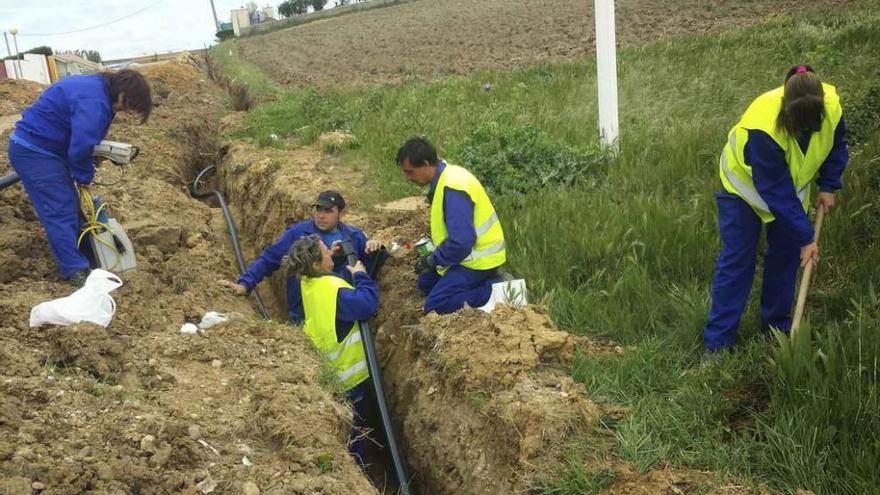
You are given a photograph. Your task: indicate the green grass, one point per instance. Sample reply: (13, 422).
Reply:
(626, 250)
(239, 71)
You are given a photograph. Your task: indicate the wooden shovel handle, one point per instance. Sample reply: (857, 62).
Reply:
(805, 279)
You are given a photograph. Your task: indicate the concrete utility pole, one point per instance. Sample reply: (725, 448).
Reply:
(19, 74)
(9, 51)
(214, 10)
(606, 73)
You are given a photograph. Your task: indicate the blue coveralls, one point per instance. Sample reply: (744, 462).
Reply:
(270, 260)
(358, 304)
(741, 229)
(51, 148)
(460, 284)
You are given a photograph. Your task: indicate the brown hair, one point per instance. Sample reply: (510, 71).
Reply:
(135, 91)
(803, 102)
(303, 255)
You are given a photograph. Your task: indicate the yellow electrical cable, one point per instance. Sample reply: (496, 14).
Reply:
(92, 224)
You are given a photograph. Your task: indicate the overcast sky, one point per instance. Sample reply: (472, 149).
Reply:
(160, 26)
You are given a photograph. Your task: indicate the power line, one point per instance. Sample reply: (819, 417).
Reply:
(97, 25)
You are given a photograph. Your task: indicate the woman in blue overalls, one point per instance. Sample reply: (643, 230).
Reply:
(51, 149)
(787, 139)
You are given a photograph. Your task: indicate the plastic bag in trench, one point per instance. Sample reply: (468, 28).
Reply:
(90, 303)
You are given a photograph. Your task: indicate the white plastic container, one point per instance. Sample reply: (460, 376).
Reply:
(120, 257)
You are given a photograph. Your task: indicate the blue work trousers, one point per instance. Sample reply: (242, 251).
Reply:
(458, 286)
(47, 181)
(741, 230)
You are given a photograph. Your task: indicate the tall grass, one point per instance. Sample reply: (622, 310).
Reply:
(627, 252)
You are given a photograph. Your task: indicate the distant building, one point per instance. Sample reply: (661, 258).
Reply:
(32, 66)
(241, 18)
(69, 64)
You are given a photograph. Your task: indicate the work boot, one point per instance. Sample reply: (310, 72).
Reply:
(78, 279)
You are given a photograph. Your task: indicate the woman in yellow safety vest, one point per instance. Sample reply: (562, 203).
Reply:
(333, 308)
(787, 139)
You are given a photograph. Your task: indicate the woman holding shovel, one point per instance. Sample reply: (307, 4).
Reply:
(787, 138)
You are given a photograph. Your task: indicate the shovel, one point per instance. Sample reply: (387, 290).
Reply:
(805, 278)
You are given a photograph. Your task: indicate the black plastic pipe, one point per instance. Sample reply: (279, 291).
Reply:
(376, 378)
(230, 224)
(8, 180)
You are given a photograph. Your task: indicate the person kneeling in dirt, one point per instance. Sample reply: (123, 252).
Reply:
(329, 208)
(51, 151)
(333, 310)
(464, 228)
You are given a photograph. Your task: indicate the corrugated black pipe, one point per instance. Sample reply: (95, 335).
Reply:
(376, 378)
(230, 225)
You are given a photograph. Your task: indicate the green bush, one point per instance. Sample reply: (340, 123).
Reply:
(516, 160)
(225, 34)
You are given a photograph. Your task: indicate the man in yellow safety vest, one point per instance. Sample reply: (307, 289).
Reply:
(465, 230)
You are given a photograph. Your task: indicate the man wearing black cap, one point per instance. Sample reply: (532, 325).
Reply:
(329, 208)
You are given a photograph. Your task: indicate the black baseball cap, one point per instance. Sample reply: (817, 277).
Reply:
(329, 199)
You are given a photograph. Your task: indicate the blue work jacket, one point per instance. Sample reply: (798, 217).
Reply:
(68, 119)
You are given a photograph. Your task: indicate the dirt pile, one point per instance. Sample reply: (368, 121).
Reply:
(492, 393)
(17, 94)
(140, 407)
(390, 45)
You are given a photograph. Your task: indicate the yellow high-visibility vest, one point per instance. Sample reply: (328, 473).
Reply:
(762, 114)
(319, 304)
(489, 251)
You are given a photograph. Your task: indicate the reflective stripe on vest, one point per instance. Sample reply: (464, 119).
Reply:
(353, 338)
(319, 295)
(482, 229)
(489, 250)
(803, 166)
(352, 371)
(749, 193)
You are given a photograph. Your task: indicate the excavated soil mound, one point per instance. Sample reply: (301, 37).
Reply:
(16, 94)
(491, 392)
(139, 407)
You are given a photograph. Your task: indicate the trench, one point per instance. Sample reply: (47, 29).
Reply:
(481, 404)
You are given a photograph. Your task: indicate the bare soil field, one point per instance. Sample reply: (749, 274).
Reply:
(434, 38)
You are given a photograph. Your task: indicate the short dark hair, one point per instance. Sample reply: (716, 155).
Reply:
(417, 150)
(135, 91)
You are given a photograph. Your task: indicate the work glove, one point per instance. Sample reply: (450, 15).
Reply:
(425, 265)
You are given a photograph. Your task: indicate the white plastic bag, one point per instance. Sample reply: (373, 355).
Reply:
(90, 303)
(511, 292)
(212, 318)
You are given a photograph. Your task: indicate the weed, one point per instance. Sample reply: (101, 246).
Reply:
(479, 399)
(325, 463)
